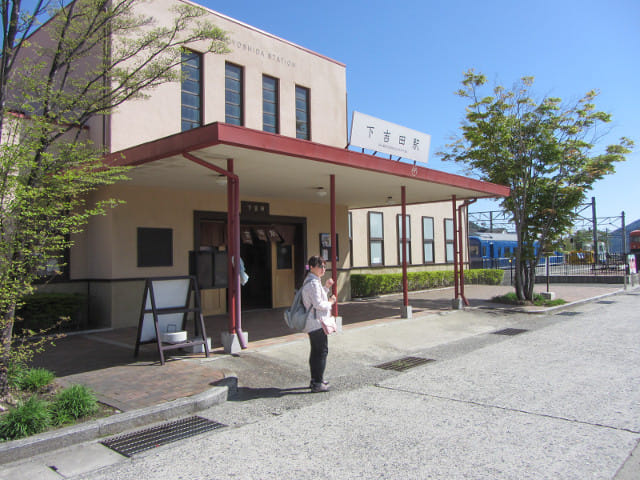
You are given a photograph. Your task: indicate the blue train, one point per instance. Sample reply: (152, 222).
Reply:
(493, 250)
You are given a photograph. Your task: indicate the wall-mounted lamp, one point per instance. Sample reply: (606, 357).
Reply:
(221, 180)
(389, 200)
(321, 192)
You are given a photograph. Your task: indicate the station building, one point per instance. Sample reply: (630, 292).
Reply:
(247, 157)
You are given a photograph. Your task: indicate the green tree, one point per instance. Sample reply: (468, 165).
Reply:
(545, 151)
(63, 66)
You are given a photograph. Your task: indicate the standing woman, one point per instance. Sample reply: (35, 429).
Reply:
(315, 296)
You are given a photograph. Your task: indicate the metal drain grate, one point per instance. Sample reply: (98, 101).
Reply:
(405, 363)
(606, 302)
(569, 314)
(149, 438)
(510, 331)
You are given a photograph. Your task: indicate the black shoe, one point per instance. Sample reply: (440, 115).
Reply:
(319, 387)
(312, 383)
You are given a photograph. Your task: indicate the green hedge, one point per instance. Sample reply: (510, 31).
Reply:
(369, 285)
(44, 310)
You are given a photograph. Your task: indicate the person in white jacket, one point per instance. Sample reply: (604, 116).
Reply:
(315, 296)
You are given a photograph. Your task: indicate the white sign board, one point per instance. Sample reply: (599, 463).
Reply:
(167, 294)
(386, 137)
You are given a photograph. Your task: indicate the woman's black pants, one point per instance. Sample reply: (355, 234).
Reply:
(318, 355)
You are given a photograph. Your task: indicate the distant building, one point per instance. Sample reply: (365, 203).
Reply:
(614, 239)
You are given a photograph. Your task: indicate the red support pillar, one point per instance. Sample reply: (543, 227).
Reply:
(231, 219)
(403, 230)
(456, 280)
(233, 244)
(334, 261)
(236, 256)
(461, 255)
(461, 237)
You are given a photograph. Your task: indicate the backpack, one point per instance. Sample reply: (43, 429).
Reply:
(296, 315)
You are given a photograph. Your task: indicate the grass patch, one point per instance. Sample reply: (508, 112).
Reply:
(538, 300)
(27, 418)
(36, 404)
(35, 379)
(73, 403)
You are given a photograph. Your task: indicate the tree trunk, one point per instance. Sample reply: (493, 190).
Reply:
(5, 351)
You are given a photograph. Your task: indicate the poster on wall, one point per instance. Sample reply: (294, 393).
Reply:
(325, 246)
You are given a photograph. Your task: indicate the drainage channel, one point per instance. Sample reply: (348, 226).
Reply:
(405, 363)
(153, 437)
(510, 331)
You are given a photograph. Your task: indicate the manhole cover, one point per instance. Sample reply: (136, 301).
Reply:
(606, 302)
(149, 438)
(405, 363)
(510, 331)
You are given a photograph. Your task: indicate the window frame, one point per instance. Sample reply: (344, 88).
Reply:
(306, 112)
(399, 233)
(200, 94)
(449, 242)
(350, 229)
(428, 241)
(375, 240)
(276, 104)
(231, 119)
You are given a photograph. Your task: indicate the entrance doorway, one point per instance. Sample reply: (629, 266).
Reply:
(272, 251)
(256, 293)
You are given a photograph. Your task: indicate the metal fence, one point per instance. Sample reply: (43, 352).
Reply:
(607, 267)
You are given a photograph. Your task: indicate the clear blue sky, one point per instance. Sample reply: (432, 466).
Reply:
(406, 58)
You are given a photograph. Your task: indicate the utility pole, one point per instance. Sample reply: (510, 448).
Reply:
(624, 235)
(595, 230)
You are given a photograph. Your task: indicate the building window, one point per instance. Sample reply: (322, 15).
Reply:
(270, 101)
(376, 239)
(448, 240)
(408, 228)
(233, 94)
(191, 90)
(302, 113)
(427, 239)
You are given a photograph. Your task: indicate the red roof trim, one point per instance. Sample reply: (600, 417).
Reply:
(221, 133)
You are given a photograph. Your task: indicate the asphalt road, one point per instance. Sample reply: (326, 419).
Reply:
(558, 401)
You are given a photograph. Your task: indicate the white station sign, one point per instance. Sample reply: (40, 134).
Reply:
(386, 137)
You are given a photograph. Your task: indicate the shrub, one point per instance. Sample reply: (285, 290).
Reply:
(28, 418)
(368, 285)
(538, 300)
(35, 378)
(484, 276)
(46, 311)
(74, 402)
(15, 371)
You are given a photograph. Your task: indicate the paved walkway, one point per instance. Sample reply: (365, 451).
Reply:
(104, 360)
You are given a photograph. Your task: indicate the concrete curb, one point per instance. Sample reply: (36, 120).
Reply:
(84, 432)
(543, 310)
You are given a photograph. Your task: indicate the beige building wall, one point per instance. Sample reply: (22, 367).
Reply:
(360, 237)
(258, 53)
(105, 255)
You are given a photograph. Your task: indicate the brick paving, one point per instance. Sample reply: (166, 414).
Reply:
(104, 360)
